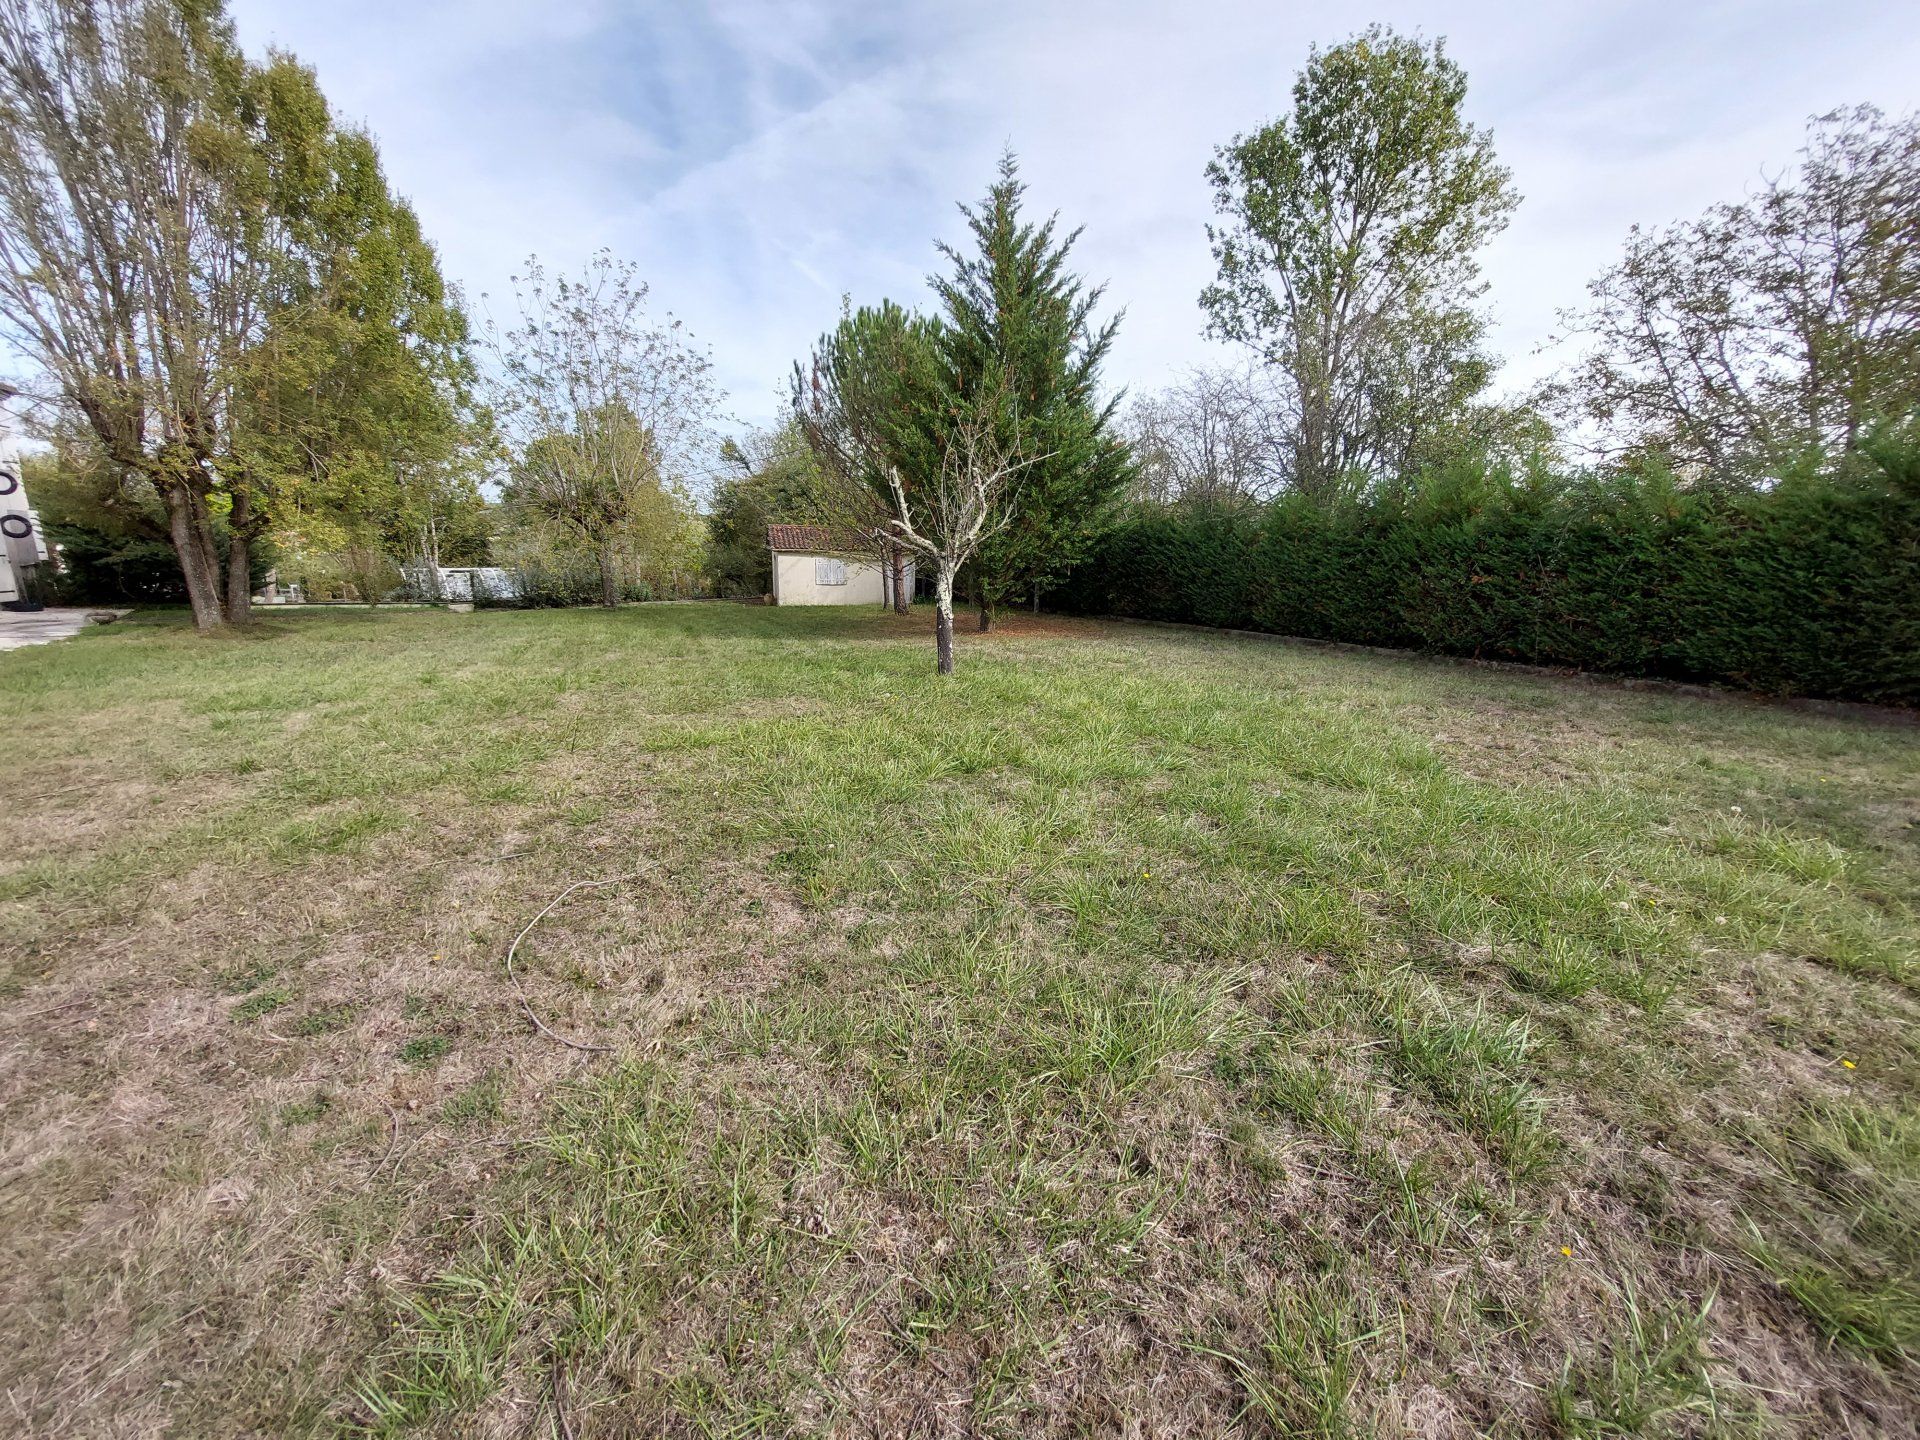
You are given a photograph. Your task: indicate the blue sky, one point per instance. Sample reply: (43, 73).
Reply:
(760, 159)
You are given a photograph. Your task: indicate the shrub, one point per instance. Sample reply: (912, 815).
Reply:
(1809, 587)
(553, 586)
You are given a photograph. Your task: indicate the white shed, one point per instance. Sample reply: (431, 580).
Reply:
(811, 567)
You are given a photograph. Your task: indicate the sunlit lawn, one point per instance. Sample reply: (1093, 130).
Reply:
(1139, 1033)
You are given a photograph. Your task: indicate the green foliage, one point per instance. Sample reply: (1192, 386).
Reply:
(217, 282)
(1811, 587)
(555, 580)
(1656, 1375)
(261, 1002)
(354, 416)
(776, 480)
(478, 1103)
(1020, 325)
(606, 414)
(424, 1049)
(109, 530)
(583, 529)
(871, 403)
(242, 323)
(1767, 331)
(1347, 254)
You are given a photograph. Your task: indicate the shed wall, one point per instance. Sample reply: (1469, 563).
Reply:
(794, 583)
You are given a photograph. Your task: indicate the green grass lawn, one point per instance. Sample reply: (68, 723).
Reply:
(1140, 1033)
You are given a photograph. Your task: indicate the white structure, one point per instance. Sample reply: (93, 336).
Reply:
(22, 545)
(810, 569)
(462, 584)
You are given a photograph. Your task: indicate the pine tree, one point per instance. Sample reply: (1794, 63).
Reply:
(1020, 322)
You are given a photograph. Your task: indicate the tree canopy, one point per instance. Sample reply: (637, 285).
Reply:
(607, 413)
(1348, 253)
(214, 277)
(1771, 333)
(1020, 324)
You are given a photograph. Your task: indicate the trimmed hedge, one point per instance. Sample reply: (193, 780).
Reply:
(1811, 587)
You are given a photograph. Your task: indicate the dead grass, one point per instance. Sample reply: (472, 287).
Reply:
(1142, 1035)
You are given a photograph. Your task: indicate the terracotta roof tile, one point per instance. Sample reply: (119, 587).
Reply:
(812, 539)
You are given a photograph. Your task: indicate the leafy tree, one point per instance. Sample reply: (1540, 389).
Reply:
(658, 551)
(1771, 333)
(600, 482)
(109, 536)
(1347, 254)
(355, 411)
(214, 278)
(1208, 438)
(774, 479)
(1020, 324)
(132, 266)
(607, 412)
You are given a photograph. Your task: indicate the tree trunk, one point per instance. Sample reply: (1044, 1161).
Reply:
(209, 547)
(609, 578)
(239, 579)
(901, 600)
(430, 557)
(943, 619)
(188, 533)
(240, 561)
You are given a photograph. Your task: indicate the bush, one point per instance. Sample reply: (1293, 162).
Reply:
(558, 586)
(1811, 587)
(100, 569)
(97, 567)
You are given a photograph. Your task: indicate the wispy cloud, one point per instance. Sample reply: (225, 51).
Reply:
(761, 158)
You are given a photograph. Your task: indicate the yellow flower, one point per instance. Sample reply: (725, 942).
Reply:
(1146, 874)
(1847, 1063)
(1567, 1250)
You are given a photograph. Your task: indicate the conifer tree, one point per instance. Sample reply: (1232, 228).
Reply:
(1020, 324)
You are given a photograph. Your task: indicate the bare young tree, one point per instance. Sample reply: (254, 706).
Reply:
(914, 467)
(133, 251)
(607, 411)
(1213, 435)
(949, 515)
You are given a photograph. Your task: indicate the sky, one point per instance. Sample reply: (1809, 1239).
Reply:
(758, 160)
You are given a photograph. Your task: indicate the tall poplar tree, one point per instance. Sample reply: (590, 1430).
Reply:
(1020, 325)
(1348, 248)
(355, 414)
(130, 260)
(213, 276)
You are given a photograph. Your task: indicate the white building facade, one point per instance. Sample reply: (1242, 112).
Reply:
(810, 569)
